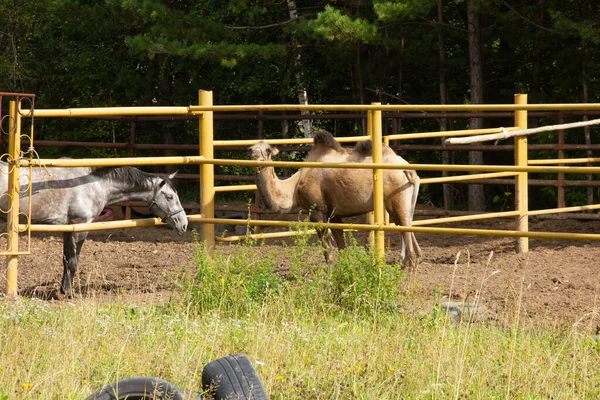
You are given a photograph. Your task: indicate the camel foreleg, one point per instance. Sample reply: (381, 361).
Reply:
(338, 234)
(329, 249)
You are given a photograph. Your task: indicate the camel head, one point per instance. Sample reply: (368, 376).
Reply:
(262, 151)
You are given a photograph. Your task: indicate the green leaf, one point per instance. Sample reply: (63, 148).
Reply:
(404, 9)
(332, 25)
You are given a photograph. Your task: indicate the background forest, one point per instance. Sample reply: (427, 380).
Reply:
(84, 53)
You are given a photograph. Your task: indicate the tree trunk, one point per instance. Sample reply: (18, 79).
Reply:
(536, 77)
(446, 187)
(401, 68)
(302, 95)
(169, 135)
(285, 133)
(476, 194)
(586, 129)
(535, 91)
(360, 88)
(169, 129)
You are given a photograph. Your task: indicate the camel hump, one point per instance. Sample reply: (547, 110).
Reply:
(364, 149)
(324, 138)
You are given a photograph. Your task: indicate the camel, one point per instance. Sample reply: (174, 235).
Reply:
(331, 194)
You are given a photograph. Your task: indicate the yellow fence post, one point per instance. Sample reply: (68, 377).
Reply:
(386, 141)
(207, 173)
(370, 218)
(12, 226)
(521, 185)
(378, 208)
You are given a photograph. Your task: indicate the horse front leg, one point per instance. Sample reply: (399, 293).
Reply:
(72, 244)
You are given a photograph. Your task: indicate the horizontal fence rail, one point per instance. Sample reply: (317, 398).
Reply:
(394, 228)
(94, 226)
(139, 161)
(106, 111)
(405, 107)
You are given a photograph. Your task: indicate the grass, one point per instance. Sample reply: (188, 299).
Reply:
(348, 332)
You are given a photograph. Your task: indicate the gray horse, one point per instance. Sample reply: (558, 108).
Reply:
(79, 194)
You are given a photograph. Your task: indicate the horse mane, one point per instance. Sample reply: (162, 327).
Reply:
(130, 175)
(325, 138)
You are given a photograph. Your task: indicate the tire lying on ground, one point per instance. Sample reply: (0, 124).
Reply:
(139, 388)
(232, 377)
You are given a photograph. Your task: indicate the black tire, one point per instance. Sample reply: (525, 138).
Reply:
(140, 388)
(233, 378)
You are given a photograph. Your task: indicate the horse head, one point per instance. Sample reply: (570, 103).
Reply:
(165, 204)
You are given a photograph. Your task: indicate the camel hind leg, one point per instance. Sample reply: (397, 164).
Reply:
(411, 250)
(416, 245)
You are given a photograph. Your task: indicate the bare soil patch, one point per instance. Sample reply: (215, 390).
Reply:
(556, 280)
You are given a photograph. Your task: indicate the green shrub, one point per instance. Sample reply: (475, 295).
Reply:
(232, 285)
(243, 280)
(361, 281)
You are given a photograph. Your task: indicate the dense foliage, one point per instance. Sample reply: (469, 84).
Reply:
(76, 53)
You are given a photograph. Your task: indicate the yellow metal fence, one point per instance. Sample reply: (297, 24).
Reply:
(206, 160)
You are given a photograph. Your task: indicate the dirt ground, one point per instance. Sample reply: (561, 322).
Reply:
(557, 280)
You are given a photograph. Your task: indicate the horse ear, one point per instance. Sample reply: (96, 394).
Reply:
(173, 175)
(274, 151)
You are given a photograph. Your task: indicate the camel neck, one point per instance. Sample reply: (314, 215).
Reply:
(279, 195)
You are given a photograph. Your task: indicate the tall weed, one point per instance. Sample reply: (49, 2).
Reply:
(362, 282)
(231, 285)
(359, 283)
